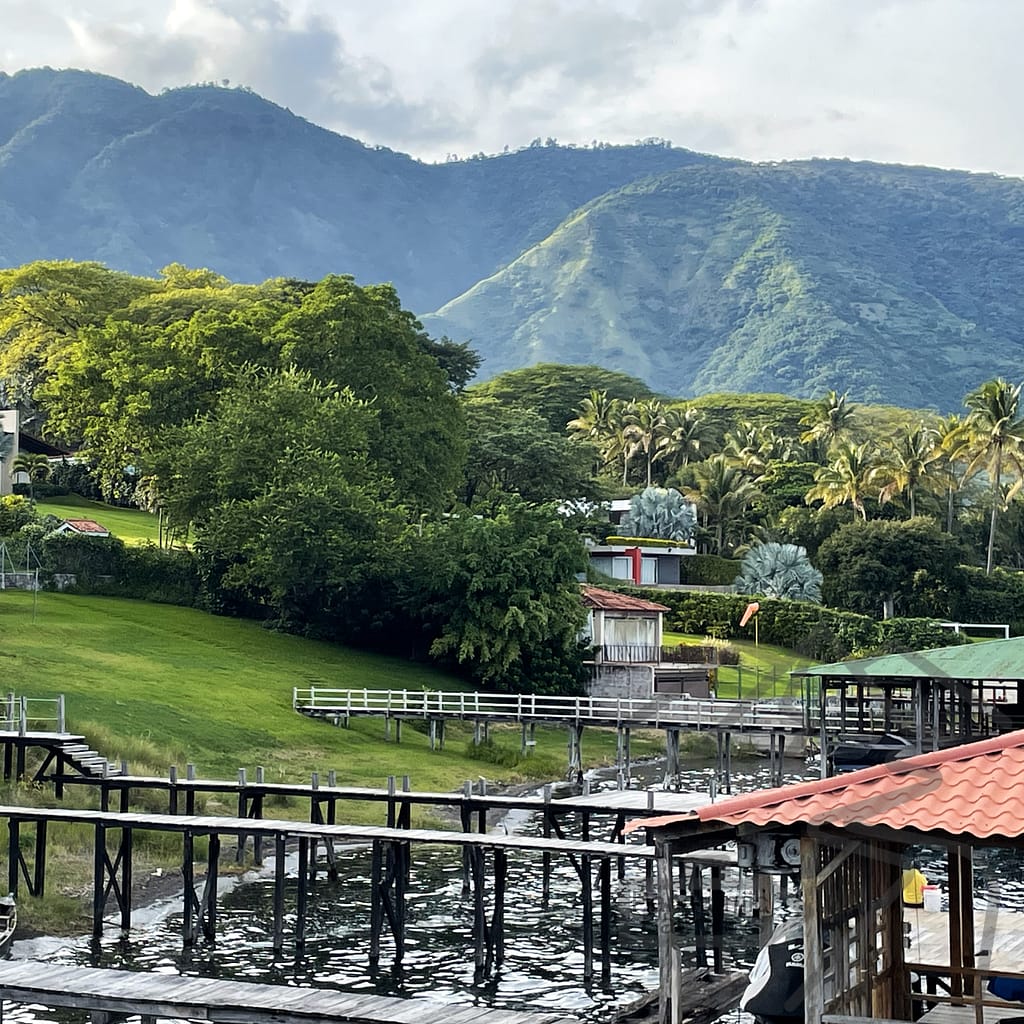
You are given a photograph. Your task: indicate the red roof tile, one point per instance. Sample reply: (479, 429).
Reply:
(86, 526)
(973, 790)
(610, 601)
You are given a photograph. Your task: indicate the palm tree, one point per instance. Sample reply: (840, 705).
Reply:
(723, 493)
(995, 429)
(828, 422)
(953, 437)
(597, 422)
(35, 466)
(686, 433)
(753, 447)
(907, 466)
(846, 479)
(647, 431)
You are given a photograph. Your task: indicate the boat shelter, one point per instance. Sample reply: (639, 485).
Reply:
(862, 960)
(934, 698)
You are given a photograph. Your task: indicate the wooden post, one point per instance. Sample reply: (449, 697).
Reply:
(98, 879)
(302, 897)
(498, 919)
(279, 877)
(476, 859)
(717, 917)
(376, 907)
(126, 877)
(764, 898)
(814, 988)
(188, 881)
(545, 882)
(668, 956)
(13, 853)
(587, 877)
(209, 904)
(605, 875)
(700, 928)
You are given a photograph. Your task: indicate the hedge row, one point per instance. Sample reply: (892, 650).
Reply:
(812, 630)
(105, 565)
(708, 570)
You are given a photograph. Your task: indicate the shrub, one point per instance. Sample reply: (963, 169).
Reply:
(817, 632)
(708, 570)
(16, 511)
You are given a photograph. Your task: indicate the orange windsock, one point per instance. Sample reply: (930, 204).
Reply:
(752, 609)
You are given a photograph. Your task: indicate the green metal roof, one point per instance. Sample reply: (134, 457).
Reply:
(991, 659)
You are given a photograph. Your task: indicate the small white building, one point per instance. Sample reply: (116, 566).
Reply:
(8, 425)
(626, 636)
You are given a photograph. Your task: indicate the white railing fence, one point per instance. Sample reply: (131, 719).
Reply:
(324, 701)
(31, 714)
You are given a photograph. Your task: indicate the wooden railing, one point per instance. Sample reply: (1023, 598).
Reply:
(25, 714)
(512, 707)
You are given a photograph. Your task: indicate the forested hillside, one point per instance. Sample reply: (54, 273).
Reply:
(93, 168)
(694, 273)
(894, 283)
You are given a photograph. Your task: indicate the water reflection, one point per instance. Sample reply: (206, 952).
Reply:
(543, 967)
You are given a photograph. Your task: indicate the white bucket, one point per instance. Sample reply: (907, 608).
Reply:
(932, 897)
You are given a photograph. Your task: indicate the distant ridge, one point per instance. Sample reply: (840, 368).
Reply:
(695, 273)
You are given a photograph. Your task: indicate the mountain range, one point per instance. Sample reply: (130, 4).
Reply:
(693, 272)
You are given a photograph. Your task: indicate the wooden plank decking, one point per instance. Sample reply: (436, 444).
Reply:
(215, 825)
(999, 931)
(231, 1002)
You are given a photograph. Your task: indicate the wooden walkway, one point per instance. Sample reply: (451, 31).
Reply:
(117, 994)
(686, 714)
(999, 931)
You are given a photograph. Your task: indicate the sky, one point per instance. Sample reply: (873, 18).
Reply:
(908, 81)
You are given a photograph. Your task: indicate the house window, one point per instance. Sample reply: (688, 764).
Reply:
(619, 568)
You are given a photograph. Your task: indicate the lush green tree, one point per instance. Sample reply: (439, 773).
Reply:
(846, 479)
(829, 421)
(687, 436)
(556, 390)
(779, 570)
(35, 466)
(513, 451)
(995, 428)
(909, 464)
(499, 593)
(596, 422)
(289, 513)
(722, 493)
(646, 432)
(43, 306)
(869, 566)
(361, 338)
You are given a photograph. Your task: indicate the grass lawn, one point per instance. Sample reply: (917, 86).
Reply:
(162, 685)
(763, 670)
(159, 685)
(132, 525)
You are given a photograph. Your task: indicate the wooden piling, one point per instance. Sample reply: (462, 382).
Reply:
(587, 876)
(279, 877)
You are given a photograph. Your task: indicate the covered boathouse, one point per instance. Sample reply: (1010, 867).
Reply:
(862, 961)
(926, 700)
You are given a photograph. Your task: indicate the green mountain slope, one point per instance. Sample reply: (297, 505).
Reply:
(898, 284)
(93, 168)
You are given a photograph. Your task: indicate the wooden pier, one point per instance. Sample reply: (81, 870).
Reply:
(673, 716)
(485, 866)
(112, 996)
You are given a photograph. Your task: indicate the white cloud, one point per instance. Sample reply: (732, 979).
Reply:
(915, 81)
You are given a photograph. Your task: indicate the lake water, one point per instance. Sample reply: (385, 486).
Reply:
(543, 966)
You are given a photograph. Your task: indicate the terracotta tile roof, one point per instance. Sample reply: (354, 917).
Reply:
(87, 526)
(974, 790)
(610, 601)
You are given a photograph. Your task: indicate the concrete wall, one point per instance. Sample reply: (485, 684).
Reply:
(621, 682)
(9, 425)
